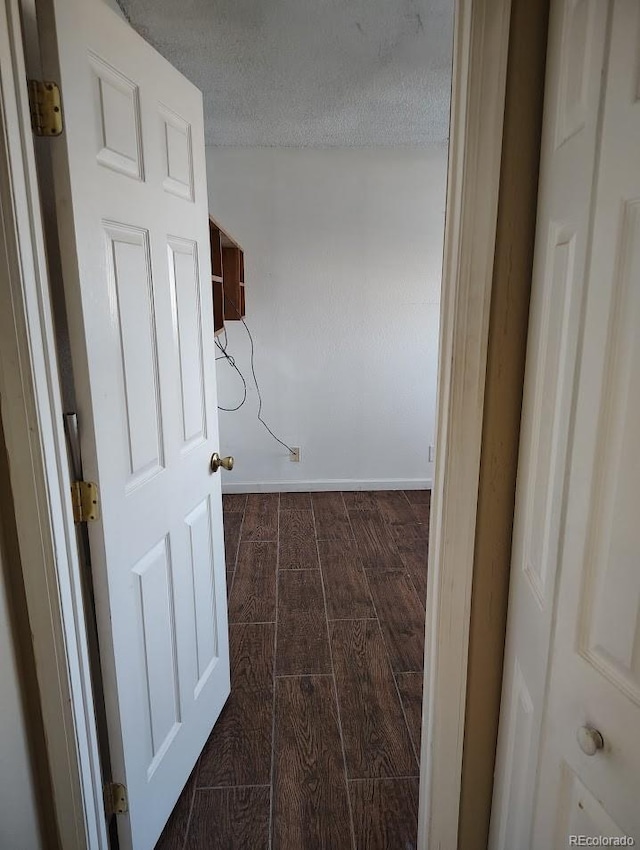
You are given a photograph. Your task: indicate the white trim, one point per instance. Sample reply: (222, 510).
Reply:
(32, 420)
(322, 485)
(481, 40)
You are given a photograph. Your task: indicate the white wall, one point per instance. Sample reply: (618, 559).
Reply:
(19, 828)
(343, 255)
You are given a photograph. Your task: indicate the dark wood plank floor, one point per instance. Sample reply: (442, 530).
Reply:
(317, 747)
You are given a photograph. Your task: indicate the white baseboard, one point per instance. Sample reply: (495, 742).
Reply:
(319, 486)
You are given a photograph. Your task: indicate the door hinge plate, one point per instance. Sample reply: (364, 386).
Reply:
(116, 801)
(84, 498)
(46, 108)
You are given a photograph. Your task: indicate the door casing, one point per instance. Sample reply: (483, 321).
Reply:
(32, 422)
(508, 324)
(32, 417)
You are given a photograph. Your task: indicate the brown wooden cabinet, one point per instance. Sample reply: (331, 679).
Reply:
(227, 277)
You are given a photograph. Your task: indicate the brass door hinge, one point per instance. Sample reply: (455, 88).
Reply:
(85, 501)
(46, 109)
(116, 801)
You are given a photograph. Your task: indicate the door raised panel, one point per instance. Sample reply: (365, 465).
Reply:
(611, 611)
(186, 304)
(204, 607)
(158, 660)
(577, 39)
(544, 433)
(133, 320)
(119, 140)
(177, 154)
(580, 813)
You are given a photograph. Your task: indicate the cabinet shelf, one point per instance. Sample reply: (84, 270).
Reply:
(227, 276)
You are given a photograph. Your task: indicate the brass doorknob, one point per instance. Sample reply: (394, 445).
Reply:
(224, 462)
(590, 740)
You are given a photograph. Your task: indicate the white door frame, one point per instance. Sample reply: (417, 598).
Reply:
(31, 411)
(481, 41)
(32, 418)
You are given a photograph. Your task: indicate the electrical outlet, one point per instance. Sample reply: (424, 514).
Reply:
(294, 454)
(431, 454)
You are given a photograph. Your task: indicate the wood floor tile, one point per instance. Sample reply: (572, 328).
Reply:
(238, 751)
(385, 814)
(298, 555)
(401, 617)
(415, 554)
(418, 497)
(421, 503)
(409, 531)
(251, 647)
(261, 518)
(377, 549)
(234, 502)
(345, 584)
(303, 642)
(295, 501)
(410, 687)
(311, 810)
(232, 526)
(296, 526)
(174, 834)
(394, 507)
(376, 739)
(359, 500)
(423, 513)
(332, 520)
(230, 819)
(253, 596)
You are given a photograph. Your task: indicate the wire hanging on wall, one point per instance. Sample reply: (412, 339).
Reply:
(232, 362)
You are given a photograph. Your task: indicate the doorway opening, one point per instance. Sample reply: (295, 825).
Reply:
(326, 170)
(179, 248)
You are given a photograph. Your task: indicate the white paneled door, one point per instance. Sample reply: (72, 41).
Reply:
(569, 747)
(131, 195)
(575, 60)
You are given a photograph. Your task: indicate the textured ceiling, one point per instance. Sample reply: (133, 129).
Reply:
(310, 72)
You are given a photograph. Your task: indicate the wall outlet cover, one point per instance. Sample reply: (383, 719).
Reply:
(294, 454)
